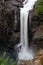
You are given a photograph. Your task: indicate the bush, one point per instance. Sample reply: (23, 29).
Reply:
(6, 60)
(38, 14)
(39, 7)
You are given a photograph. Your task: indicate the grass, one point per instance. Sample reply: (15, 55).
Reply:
(5, 60)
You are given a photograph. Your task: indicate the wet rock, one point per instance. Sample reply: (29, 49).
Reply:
(9, 24)
(39, 58)
(15, 38)
(39, 33)
(24, 62)
(9, 20)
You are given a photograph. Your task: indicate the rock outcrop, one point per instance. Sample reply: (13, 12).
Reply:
(10, 23)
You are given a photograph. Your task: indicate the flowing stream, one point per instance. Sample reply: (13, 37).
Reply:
(25, 53)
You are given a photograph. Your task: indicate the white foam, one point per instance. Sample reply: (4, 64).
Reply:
(26, 55)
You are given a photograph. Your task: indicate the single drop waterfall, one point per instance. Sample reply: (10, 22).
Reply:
(26, 53)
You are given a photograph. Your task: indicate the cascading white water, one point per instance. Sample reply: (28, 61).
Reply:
(26, 53)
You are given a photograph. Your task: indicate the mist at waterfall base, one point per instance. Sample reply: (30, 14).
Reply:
(26, 53)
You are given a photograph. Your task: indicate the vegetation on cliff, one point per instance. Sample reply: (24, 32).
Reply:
(38, 14)
(39, 11)
(5, 60)
(39, 7)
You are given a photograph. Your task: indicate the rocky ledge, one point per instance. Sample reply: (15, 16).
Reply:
(39, 33)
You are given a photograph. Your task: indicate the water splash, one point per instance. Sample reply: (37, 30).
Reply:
(26, 53)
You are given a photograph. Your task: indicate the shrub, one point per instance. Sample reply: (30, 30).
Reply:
(5, 60)
(39, 7)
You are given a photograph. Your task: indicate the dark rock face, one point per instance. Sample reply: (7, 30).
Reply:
(10, 23)
(17, 3)
(10, 26)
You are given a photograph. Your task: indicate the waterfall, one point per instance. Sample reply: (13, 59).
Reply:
(26, 53)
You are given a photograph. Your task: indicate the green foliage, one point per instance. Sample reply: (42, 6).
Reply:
(38, 14)
(39, 7)
(6, 60)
